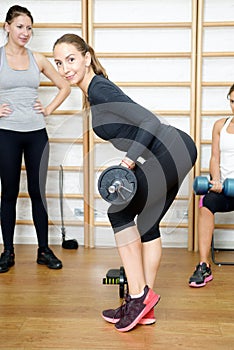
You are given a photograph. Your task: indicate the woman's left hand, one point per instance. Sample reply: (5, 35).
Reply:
(128, 163)
(39, 108)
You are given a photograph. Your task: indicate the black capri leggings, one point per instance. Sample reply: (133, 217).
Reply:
(217, 202)
(158, 182)
(35, 148)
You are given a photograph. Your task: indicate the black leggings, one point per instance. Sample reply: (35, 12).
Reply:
(35, 148)
(217, 202)
(158, 182)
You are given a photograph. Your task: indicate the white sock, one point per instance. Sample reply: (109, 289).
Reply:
(137, 295)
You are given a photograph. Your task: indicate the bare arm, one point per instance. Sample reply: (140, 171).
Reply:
(215, 156)
(50, 72)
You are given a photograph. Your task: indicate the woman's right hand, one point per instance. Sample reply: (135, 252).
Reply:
(4, 110)
(216, 186)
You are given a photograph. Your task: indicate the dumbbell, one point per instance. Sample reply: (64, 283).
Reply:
(117, 185)
(201, 185)
(116, 276)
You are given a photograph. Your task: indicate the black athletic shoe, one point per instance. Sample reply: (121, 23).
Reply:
(7, 260)
(201, 275)
(48, 258)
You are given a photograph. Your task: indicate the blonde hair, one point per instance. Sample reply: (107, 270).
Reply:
(83, 47)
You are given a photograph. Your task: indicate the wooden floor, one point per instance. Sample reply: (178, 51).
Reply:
(45, 309)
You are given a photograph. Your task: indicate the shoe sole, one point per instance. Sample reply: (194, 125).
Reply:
(147, 321)
(8, 267)
(143, 321)
(110, 319)
(50, 267)
(3, 271)
(154, 301)
(195, 285)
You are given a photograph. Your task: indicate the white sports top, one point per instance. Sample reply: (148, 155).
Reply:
(226, 145)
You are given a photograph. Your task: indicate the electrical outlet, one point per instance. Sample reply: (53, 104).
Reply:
(78, 212)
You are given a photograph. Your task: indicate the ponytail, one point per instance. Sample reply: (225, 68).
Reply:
(95, 63)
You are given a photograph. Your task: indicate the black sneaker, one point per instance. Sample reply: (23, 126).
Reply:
(201, 275)
(135, 309)
(48, 258)
(7, 260)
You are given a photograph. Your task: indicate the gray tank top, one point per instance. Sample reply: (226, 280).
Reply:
(19, 89)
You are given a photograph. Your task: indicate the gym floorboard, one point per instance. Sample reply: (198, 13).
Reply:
(45, 309)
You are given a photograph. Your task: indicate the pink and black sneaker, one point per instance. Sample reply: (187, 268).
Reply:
(201, 275)
(135, 309)
(149, 318)
(114, 315)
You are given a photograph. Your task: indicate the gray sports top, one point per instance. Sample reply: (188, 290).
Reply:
(19, 89)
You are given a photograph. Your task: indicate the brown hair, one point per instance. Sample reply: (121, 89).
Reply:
(83, 47)
(230, 91)
(15, 11)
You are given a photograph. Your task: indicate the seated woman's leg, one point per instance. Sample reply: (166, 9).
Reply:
(205, 232)
(210, 204)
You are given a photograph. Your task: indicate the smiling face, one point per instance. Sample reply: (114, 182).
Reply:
(71, 63)
(19, 30)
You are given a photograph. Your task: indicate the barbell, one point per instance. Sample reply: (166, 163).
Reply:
(117, 185)
(201, 185)
(117, 276)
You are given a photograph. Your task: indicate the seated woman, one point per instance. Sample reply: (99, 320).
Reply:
(221, 167)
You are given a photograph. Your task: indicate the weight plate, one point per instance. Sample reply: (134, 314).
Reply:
(126, 188)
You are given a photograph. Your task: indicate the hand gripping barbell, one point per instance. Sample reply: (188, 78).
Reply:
(201, 185)
(117, 185)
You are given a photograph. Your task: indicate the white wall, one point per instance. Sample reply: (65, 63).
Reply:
(175, 72)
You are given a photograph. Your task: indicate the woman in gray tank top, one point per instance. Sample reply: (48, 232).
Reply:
(23, 132)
